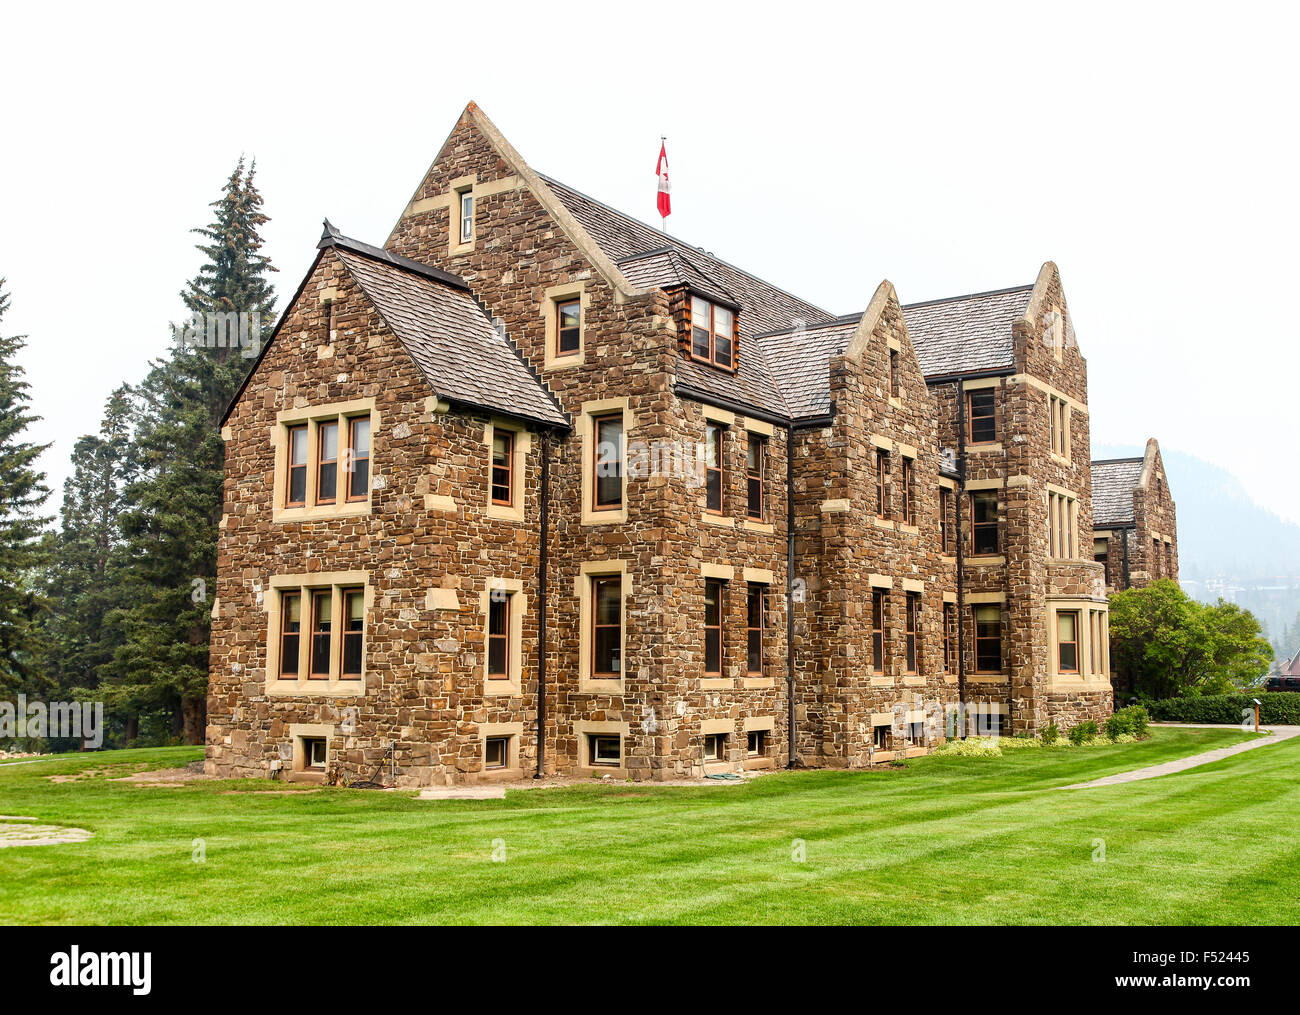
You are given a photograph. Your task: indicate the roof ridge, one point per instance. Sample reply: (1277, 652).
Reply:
(678, 241)
(970, 296)
(1118, 461)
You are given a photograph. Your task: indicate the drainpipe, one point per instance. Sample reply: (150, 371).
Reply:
(541, 603)
(959, 509)
(1128, 582)
(789, 588)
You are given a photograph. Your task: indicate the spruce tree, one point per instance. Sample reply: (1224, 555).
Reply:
(174, 507)
(23, 548)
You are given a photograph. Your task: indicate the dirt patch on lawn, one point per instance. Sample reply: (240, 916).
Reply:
(165, 776)
(13, 834)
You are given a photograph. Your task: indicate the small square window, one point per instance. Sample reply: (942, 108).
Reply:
(605, 749)
(313, 753)
(756, 743)
(568, 327)
(880, 737)
(715, 747)
(496, 752)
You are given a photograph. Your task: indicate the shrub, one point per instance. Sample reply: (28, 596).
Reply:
(1017, 742)
(972, 747)
(1051, 734)
(1281, 707)
(1082, 733)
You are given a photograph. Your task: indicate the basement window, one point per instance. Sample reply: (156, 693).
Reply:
(916, 732)
(756, 743)
(605, 749)
(313, 753)
(880, 737)
(715, 747)
(496, 752)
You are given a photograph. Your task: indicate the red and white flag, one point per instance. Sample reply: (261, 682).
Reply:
(661, 170)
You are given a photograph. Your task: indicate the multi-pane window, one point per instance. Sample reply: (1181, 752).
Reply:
(608, 461)
(503, 466)
(754, 629)
(949, 634)
(877, 631)
(1060, 525)
(290, 632)
(981, 420)
(358, 458)
(498, 635)
(296, 491)
(911, 617)
(755, 474)
(895, 374)
(909, 491)
(713, 469)
(713, 606)
(568, 327)
(713, 333)
(322, 622)
(607, 626)
(605, 749)
(946, 534)
(984, 521)
(1067, 641)
(884, 493)
(988, 639)
(354, 632)
(466, 216)
(327, 462)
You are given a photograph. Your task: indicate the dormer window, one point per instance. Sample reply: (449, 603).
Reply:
(713, 333)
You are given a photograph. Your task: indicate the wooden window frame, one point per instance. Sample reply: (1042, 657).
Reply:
(465, 222)
(345, 593)
(508, 436)
(286, 596)
(291, 431)
(719, 629)
(597, 580)
(560, 305)
(733, 338)
(755, 478)
(755, 594)
(911, 639)
(946, 537)
(884, 485)
(909, 491)
(597, 422)
(879, 609)
(328, 634)
(1074, 643)
(715, 431)
(991, 415)
(322, 461)
(977, 527)
(504, 600)
(978, 639)
(353, 457)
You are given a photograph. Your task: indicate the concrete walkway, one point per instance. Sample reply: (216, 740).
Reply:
(1279, 734)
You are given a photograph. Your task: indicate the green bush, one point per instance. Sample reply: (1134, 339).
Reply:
(1051, 734)
(1279, 707)
(1128, 722)
(1085, 731)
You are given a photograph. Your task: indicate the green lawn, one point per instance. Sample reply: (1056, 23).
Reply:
(948, 840)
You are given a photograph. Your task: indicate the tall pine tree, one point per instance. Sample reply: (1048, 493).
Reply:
(173, 508)
(23, 493)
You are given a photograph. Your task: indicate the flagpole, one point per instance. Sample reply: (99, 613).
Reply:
(663, 219)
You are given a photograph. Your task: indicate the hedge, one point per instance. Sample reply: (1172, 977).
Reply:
(1280, 707)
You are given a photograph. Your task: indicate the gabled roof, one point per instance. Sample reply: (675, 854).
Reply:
(446, 331)
(667, 268)
(800, 363)
(966, 334)
(1114, 481)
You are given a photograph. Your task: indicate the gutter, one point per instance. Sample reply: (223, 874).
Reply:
(543, 560)
(789, 591)
(959, 508)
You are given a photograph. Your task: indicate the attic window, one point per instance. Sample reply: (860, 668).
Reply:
(466, 216)
(713, 333)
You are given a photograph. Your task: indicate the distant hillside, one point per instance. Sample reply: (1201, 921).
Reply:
(1228, 545)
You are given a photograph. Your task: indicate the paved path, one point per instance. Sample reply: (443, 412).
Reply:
(1280, 733)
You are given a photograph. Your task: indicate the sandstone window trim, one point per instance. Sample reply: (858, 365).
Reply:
(292, 453)
(981, 425)
(568, 327)
(512, 470)
(464, 204)
(502, 479)
(1059, 437)
(607, 408)
(500, 749)
(1062, 525)
(715, 333)
(503, 606)
(609, 480)
(340, 634)
(1067, 642)
(560, 350)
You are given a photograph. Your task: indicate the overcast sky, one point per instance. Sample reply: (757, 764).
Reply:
(1149, 151)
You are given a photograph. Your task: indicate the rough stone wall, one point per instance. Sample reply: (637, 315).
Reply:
(1154, 518)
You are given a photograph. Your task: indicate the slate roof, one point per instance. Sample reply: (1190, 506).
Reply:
(800, 363)
(1113, 483)
(448, 334)
(966, 334)
(667, 268)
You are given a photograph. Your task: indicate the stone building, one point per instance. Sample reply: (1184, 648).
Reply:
(535, 487)
(1135, 527)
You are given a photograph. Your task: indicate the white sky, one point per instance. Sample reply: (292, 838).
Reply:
(1149, 150)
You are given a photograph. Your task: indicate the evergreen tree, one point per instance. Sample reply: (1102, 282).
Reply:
(173, 508)
(23, 493)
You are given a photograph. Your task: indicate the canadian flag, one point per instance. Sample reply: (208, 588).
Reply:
(661, 170)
